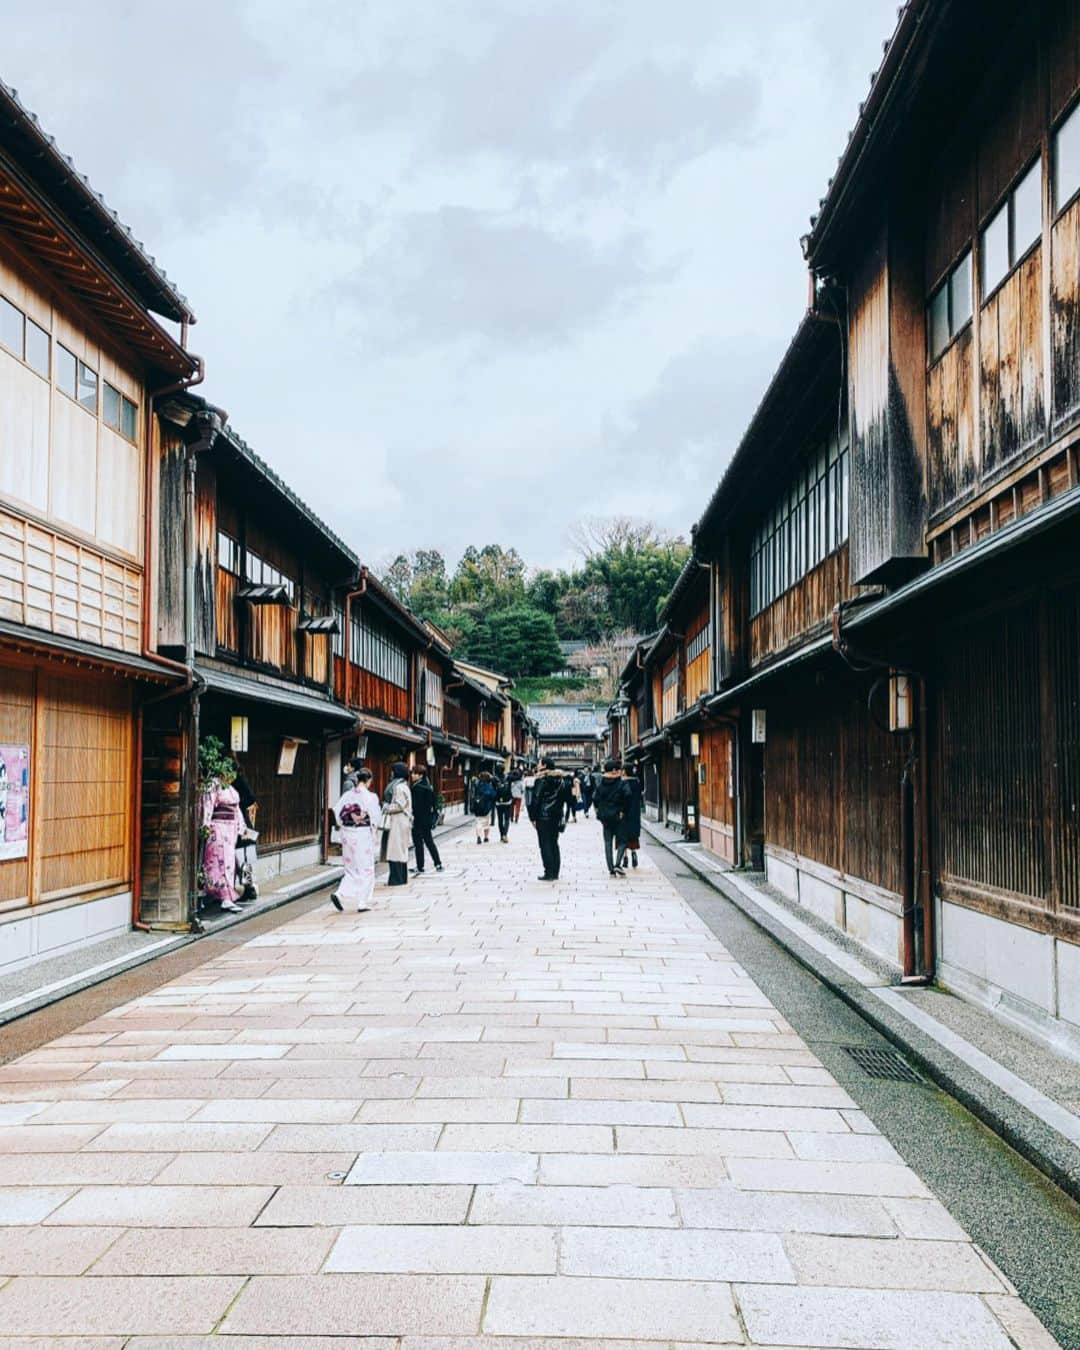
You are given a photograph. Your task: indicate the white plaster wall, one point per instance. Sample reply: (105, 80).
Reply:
(822, 899)
(36, 936)
(273, 864)
(783, 876)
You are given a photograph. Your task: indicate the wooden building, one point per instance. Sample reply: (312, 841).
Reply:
(84, 361)
(246, 592)
(573, 734)
(896, 579)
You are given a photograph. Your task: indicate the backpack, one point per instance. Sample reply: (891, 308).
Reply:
(484, 798)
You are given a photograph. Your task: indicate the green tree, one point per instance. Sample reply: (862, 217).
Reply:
(492, 577)
(430, 591)
(397, 577)
(517, 641)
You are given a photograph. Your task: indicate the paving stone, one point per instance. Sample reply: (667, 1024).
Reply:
(341, 1138)
(377, 1305)
(53, 1251)
(673, 1254)
(1020, 1322)
(814, 1119)
(614, 1206)
(33, 1138)
(897, 1263)
(30, 1204)
(255, 1169)
(838, 1178)
(429, 1250)
(586, 1112)
(726, 1143)
(629, 1169)
(850, 1147)
(334, 1206)
(164, 1206)
(923, 1219)
(79, 1169)
(182, 1137)
(62, 1306)
(529, 1138)
(727, 1207)
(447, 1168)
(113, 1111)
(227, 1251)
(559, 1306)
(872, 1318)
(271, 1110)
(443, 1110)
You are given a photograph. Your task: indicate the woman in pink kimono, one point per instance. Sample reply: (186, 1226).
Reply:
(223, 819)
(359, 815)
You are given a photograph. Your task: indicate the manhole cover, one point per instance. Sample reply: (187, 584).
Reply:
(882, 1063)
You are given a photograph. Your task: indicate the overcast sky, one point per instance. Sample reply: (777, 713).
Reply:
(467, 270)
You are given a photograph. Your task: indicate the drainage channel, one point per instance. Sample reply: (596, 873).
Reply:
(1024, 1223)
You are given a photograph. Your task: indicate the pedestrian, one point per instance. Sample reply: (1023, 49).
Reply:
(482, 804)
(575, 797)
(359, 817)
(610, 800)
(222, 821)
(586, 792)
(397, 823)
(517, 794)
(549, 806)
(504, 805)
(246, 840)
(352, 769)
(595, 776)
(629, 829)
(423, 810)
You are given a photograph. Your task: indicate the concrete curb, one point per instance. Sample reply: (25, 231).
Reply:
(1048, 1150)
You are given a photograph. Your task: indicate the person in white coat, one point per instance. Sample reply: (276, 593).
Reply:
(397, 821)
(359, 817)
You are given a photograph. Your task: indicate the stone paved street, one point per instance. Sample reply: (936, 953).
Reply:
(493, 1107)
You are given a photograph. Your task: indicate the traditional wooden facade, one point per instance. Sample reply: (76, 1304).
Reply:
(896, 587)
(573, 734)
(246, 598)
(83, 357)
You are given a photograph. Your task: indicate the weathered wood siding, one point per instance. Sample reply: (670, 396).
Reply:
(716, 792)
(1009, 760)
(1065, 312)
(166, 856)
(950, 409)
(832, 784)
(1012, 408)
(801, 609)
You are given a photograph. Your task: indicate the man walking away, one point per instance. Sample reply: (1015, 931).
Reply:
(586, 791)
(517, 794)
(504, 805)
(423, 811)
(629, 828)
(610, 800)
(549, 806)
(481, 804)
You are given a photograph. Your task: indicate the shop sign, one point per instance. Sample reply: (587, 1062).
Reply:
(287, 755)
(14, 801)
(238, 735)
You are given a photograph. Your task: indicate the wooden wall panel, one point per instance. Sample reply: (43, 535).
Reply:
(1012, 410)
(49, 582)
(1065, 312)
(802, 608)
(16, 728)
(227, 611)
(1062, 48)
(205, 556)
(1065, 677)
(289, 804)
(952, 466)
(86, 785)
(714, 794)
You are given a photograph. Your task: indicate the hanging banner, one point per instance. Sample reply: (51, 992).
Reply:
(14, 801)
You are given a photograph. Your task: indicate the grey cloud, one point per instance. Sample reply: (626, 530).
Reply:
(459, 273)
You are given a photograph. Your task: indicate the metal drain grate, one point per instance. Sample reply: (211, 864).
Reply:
(882, 1064)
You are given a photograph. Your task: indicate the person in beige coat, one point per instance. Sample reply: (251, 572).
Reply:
(397, 821)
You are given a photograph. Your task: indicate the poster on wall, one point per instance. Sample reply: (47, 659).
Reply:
(14, 801)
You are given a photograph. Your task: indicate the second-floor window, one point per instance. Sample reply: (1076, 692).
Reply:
(1067, 160)
(24, 338)
(809, 522)
(698, 643)
(1014, 228)
(258, 572)
(118, 412)
(950, 306)
(433, 698)
(228, 553)
(374, 650)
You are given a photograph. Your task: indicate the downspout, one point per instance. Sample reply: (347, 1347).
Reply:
(183, 669)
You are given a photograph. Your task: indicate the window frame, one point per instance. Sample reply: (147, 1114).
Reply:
(1058, 209)
(945, 284)
(1007, 203)
(123, 403)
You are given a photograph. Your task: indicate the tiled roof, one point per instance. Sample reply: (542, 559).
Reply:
(87, 210)
(572, 720)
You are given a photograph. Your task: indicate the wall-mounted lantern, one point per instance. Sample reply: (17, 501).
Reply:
(238, 735)
(695, 745)
(901, 702)
(757, 726)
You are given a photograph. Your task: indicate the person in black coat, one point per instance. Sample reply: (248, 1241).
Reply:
(609, 799)
(504, 804)
(549, 807)
(424, 814)
(628, 834)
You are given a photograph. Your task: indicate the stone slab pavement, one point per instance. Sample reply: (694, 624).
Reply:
(492, 1109)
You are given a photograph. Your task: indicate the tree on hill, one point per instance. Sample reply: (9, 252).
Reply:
(516, 641)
